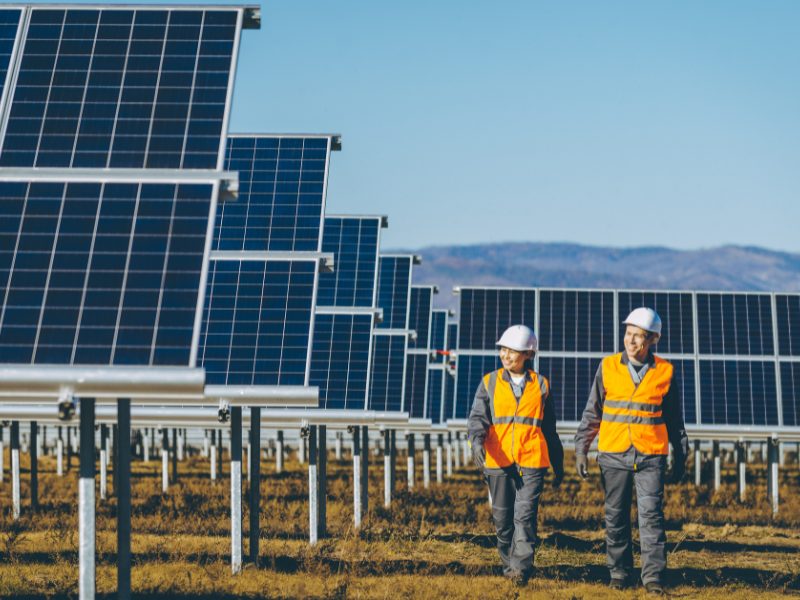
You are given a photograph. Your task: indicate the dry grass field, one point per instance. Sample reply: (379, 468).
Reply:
(434, 543)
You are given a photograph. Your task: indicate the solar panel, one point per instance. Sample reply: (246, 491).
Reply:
(576, 321)
(450, 380)
(788, 324)
(738, 392)
(485, 313)
(735, 324)
(101, 273)
(282, 183)
(122, 87)
(438, 335)
(354, 241)
(471, 368)
(675, 310)
(9, 26)
(570, 382)
(416, 385)
(394, 288)
(434, 409)
(257, 322)
(790, 393)
(340, 359)
(387, 378)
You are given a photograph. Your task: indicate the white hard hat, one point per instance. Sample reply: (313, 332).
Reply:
(645, 318)
(520, 338)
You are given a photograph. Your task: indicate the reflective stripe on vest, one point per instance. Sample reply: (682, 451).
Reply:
(515, 436)
(632, 413)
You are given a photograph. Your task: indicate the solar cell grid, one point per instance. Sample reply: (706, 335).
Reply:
(387, 377)
(257, 322)
(340, 360)
(435, 390)
(790, 393)
(486, 312)
(416, 385)
(101, 273)
(675, 310)
(576, 321)
(471, 368)
(9, 26)
(738, 392)
(438, 335)
(394, 280)
(281, 194)
(735, 324)
(570, 383)
(420, 316)
(119, 87)
(354, 242)
(788, 319)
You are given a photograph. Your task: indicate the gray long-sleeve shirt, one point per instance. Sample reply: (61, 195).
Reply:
(480, 420)
(671, 411)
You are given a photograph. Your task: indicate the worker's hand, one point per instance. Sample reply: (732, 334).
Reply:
(558, 477)
(582, 465)
(478, 453)
(678, 471)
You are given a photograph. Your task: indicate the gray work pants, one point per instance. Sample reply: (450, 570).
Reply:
(648, 477)
(515, 505)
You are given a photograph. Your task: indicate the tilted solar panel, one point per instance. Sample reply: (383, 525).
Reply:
(735, 324)
(394, 289)
(738, 392)
(257, 322)
(281, 194)
(471, 369)
(434, 408)
(788, 322)
(388, 372)
(675, 310)
(450, 379)
(9, 26)
(354, 242)
(438, 335)
(485, 313)
(416, 385)
(570, 382)
(576, 321)
(122, 87)
(420, 316)
(340, 359)
(790, 393)
(101, 273)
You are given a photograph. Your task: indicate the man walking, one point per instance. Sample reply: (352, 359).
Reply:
(512, 433)
(637, 413)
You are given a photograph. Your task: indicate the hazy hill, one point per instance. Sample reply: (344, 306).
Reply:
(573, 265)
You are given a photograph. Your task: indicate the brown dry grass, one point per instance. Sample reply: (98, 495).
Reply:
(431, 543)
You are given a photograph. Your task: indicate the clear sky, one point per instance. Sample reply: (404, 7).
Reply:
(614, 123)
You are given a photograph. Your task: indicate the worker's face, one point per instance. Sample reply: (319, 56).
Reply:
(513, 360)
(638, 341)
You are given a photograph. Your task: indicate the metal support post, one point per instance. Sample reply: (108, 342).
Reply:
(741, 469)
(364, 469)
(773, 479)
(456, 453)
(174, 455)
(180, 445)
(387, 469)
(103, 461)
(338, 445)
(322, 476)
(698, 464)
(449, 454)
(34, 465)
(236, 489)
(356, 476)
(410, 460)
(313, 482)
(465, 452)
(86, 515)
(123, 492)
(213, 455)
(248, 459)
(2, 456)
(59, 454)
(69, 448)
(426, 460)
(301, 450)
(205, 443)
(164, 460)
(114, 456)
(439, 465)
(279, 453)
(393, 458)
(717, 465)
(220, 464)
(254, 473)
(15, 482)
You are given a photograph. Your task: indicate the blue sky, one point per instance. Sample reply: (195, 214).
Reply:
(619, 123)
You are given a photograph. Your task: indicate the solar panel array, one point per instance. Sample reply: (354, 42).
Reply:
(340, 362)
(419, 347)
(437, 367)
(105, 267)
(734, 353)
(261, 295)
(388, 362)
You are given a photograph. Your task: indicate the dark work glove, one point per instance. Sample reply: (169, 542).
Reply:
(582, 465)
(678, 471)
(478, 453)
(558, 477)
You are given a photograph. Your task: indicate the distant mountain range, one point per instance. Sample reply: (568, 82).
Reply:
(741, 268)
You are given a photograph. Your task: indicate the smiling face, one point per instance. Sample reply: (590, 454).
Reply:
(637, 342)
(514, 360)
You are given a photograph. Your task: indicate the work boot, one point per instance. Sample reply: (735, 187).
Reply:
(618, 583)
(518, 578)
(655, 588)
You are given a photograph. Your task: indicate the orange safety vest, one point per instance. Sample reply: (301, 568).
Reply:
(515, 435)
(631, 413)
